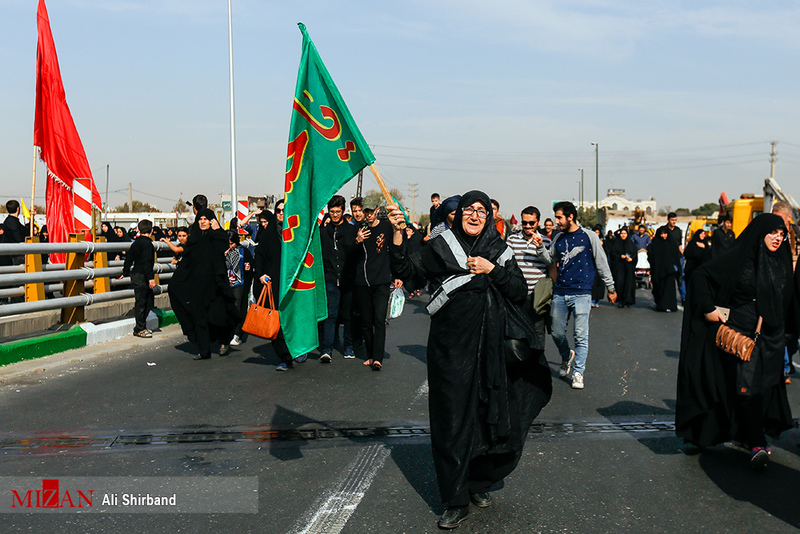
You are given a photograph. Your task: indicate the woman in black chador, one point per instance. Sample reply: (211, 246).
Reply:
(697, 252)
(482, 399)
(721, 397)
(623, 264)
(599, 287)
(199, 291)
(665, 259)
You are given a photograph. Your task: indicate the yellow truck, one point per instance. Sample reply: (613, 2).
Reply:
(745, 208)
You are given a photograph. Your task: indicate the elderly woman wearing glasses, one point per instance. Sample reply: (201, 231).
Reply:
(482, 399)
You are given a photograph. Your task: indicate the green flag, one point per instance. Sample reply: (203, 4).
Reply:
(326, 150)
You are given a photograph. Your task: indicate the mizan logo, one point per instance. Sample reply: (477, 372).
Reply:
(50, 496)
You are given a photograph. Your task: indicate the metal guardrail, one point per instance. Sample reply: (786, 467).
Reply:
(72, 279)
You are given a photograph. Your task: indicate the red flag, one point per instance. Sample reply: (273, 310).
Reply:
(513, 220)
(55, 134)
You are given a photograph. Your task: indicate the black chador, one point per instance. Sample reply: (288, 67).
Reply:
(480, 406)
(719, 396)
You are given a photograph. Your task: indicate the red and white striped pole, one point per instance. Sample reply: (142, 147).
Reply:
(242, 211)
(82, 204)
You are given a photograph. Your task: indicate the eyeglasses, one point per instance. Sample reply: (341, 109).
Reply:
(335, 212)
(529, 223)
(278, 210)
(480, 212)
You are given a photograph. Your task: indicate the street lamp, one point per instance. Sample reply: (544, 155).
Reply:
(580, 196)
(596, 180)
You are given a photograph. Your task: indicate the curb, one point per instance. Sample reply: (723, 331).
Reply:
(77, 336)
(37, 347)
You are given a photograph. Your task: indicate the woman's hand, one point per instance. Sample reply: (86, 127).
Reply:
(215, 224)
(715, 317)
(478, 265)
(397, 283)
(701, 244)
(396, 217)
(264, 279)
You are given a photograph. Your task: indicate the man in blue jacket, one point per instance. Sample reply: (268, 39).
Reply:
(578, 255)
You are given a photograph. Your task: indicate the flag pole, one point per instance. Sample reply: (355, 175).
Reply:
(33, 189)
(386, 194)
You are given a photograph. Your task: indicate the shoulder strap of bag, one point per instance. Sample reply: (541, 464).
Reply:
(269, 290)
(261, 297)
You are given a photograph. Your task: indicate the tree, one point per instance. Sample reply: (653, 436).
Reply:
(180, 206)
(424, 219)
(682, 212)
(40, 210)
(138, 207)
(587, 217)
(373, 197)
(706, 209)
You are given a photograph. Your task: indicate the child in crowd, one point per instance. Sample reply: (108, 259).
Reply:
(139, 266)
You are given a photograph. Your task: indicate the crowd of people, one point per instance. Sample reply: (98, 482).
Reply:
(496, 292)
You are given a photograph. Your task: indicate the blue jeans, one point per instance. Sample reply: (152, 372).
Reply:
(791, 350)
(329, 325)
(579, 307)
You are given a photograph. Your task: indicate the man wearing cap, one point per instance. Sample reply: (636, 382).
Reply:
(373, 277)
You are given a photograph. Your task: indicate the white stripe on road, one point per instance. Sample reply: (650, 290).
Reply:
(422, 391)
(331, 512)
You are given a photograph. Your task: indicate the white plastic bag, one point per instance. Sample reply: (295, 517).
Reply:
(397, 299)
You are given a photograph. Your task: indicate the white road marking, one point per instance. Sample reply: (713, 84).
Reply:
(330, 513)
(422, 391)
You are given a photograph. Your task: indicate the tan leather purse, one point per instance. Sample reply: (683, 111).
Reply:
(736, 343)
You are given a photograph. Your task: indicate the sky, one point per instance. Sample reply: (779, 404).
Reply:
(683, 98)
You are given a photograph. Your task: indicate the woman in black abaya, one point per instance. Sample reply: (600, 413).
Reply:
(623, 264)
(697, 252)
(664, 257)
(267, 259)
(480, 406)
(719, 396)
(199, 291)
(598, 287)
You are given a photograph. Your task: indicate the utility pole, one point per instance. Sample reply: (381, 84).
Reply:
(130, 197)
(580, 195)
(360, 180)
(597, 180)
(234, 196)
(772, 160)
(107, 173)
(413, 200)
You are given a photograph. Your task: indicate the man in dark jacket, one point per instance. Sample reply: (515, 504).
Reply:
(373, 277)
(338, 241)
(722, 238)
(13, 230)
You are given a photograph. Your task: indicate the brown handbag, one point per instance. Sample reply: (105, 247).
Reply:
(262, 321)
(736, 343)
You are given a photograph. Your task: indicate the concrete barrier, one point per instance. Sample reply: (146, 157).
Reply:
(78, 336)
(99, 333)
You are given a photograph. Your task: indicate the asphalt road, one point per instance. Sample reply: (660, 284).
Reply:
(340, 448)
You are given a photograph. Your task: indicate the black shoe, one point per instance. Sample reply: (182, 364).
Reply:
(201, 357)
(481, 500)
(453, 516)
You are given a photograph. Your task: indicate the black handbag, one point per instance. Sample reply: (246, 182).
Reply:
(521, 341)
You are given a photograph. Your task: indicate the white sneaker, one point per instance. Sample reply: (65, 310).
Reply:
(325, 358)
(236, 341)
(577, 380)
(566, 367)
